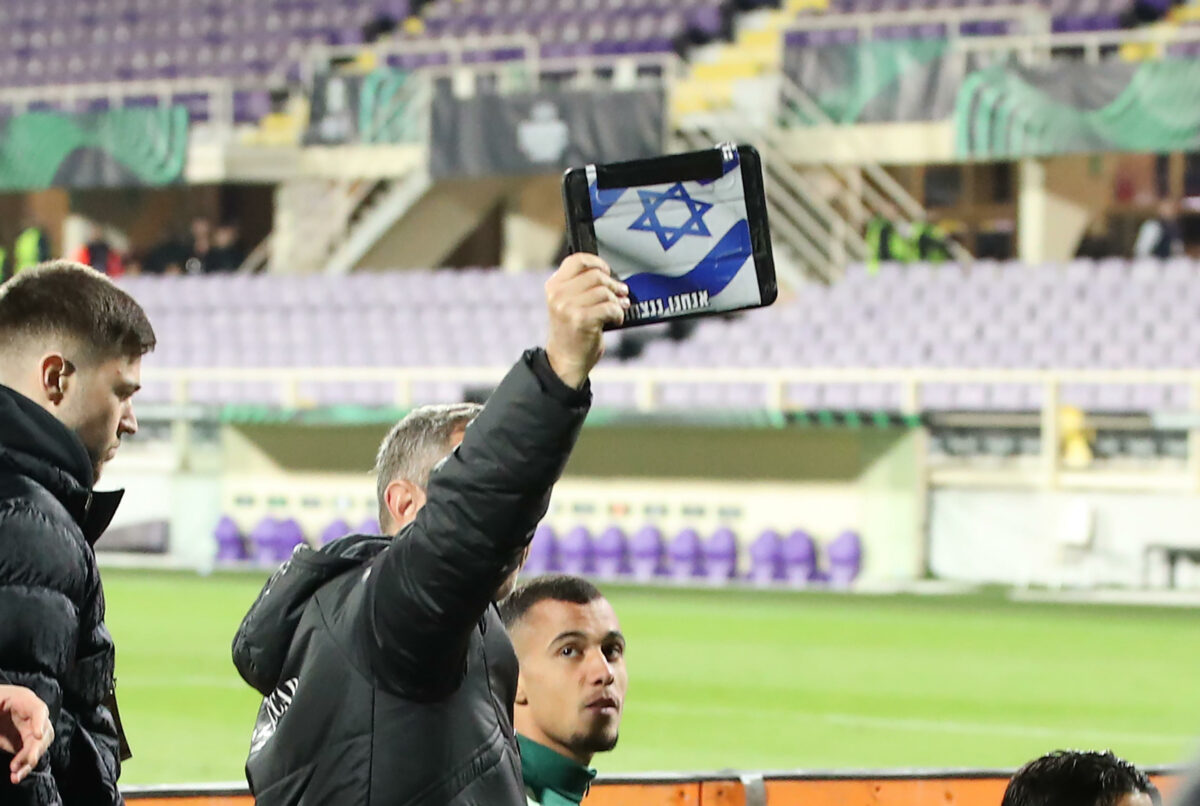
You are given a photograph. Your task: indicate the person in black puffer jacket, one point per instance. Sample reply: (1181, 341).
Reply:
(71, 345)
(386, 672)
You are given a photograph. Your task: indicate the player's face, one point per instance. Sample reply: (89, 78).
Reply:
(97, 405)
(571, 691)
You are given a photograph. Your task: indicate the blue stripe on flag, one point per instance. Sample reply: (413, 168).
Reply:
(715, 271)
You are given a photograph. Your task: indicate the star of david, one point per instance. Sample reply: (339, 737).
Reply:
(668, 236)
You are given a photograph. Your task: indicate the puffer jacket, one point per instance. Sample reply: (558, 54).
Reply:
(52, 634)
(386, 672)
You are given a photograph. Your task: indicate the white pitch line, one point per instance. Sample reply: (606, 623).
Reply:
(922, 725)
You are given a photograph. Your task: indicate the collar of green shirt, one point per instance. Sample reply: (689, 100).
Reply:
(553, 779)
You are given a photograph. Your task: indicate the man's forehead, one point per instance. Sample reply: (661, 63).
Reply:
(552, 617)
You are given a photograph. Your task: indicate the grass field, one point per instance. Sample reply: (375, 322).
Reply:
(742, 679)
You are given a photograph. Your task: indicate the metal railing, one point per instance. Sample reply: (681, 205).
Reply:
(1033, 18)
(648, 381)
(219, 93)
(522, 67)
(1038, 48)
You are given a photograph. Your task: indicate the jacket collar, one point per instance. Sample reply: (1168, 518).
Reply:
(552, 778)
(35, 444)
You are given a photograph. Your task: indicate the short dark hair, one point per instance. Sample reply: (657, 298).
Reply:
(553, 587)
(1077, 778)
(72, 300)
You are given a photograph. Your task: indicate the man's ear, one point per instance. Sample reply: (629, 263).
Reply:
(56, 376)
(402, 499)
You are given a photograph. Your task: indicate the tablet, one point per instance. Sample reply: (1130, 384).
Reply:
(687, 233)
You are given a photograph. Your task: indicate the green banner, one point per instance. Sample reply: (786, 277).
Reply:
(378, 108)
(113, 148)
(1010, 111)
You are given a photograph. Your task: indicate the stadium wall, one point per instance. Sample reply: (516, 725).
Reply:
(1025, 537)
(824, 481)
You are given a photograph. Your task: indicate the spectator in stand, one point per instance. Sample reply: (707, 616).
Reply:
(100, 255)
(1160, 236)
(929, 242)
(885, 241)
(1147, 12)
(1095, 243)
(170, 256)
(200, 246)
(226, 254)
(31, 247)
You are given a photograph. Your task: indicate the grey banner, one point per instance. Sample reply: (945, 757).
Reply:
(334, 115)
(882, 81)
(527, 133)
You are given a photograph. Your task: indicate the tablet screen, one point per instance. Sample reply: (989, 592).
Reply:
(682, 247)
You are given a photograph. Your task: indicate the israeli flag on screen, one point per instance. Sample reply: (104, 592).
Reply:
(681, 247)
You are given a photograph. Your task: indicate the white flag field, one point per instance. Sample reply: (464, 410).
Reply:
(681, 247)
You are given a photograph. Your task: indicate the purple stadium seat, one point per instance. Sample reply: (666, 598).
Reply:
(543, 552)
(231, 546)
(686, 555)
(370, 526)
(576, 552)
(336, 529)
(612, 553)
(766, 559)
(288, 535)
(263, 540)
(800, 558)
(721, 556)
(646, 553)
(845, 559)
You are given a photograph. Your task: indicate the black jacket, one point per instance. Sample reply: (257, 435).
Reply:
(52, 634)
(387, 675)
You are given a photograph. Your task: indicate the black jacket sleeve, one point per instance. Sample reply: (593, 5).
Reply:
(39, 627)
(428, 590)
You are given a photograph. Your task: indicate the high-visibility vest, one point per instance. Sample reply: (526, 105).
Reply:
(929, 242)
(884, 242)
(27, 250)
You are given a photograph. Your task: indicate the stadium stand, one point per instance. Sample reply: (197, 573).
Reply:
(1110, 315)
(63, 42)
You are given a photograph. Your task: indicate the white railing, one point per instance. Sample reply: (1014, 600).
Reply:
(1033, 18)
(528, 70)
(1035, 42)
(219, 93)
(649, 380)
(1041, 48)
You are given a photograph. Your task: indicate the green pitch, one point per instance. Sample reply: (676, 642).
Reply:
(742, 679)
